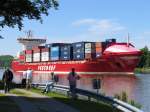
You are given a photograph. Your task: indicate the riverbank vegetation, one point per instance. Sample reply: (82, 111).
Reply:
(5, 61)
(124, 97)
(144, 64)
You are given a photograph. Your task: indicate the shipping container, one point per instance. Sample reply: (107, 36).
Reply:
(22, 57)
(53, 45)
(55, 53)
(29, 51)
(29, 58)
(78, 45)
(98, 49)
(98, 55)
(37, 51)
(36, 57)
(80, 48)
(38, 47)
(78, 56)
(99, 44)
(66, 52)
(111, 40)
(90, 55)
(47, 45)
(45, 50)
(45, 56)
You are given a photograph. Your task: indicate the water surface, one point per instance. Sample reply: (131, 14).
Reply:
(137, 87)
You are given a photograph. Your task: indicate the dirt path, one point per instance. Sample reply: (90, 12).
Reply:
(34, 102)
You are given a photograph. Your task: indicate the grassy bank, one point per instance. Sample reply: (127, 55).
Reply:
(142, 70)
(81, 105)
(7, 105)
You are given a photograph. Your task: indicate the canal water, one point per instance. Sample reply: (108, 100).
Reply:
(137, 87)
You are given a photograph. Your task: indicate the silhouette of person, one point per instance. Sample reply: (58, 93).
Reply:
(7, 79)
(73, 77)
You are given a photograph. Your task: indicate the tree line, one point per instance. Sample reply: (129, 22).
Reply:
(145, 58)
(5, 61)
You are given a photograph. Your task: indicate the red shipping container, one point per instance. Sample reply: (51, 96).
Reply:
(29, 51)
(45, 49)
(36, 50)
(22, 57)
(38, 47)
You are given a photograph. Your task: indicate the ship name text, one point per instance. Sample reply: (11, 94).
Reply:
(47, 68)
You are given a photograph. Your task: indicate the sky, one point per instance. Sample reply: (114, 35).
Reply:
(86, 20)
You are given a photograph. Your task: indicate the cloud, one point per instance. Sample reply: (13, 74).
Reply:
(84, 22)
(99, 27)
(141, 39)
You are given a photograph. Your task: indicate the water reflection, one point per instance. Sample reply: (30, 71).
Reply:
(110, 84)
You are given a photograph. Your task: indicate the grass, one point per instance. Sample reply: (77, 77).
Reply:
(142, 70)
(19, 93)
(82, 105)
(124, 97)
(7, 105)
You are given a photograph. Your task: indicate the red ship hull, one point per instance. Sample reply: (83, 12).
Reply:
(111, 62)
(107, 64)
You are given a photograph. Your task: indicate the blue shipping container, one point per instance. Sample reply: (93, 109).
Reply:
(55, 53)
(78, 45)
(78, 56)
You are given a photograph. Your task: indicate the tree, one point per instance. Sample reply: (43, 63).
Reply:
(12, 12)
(145, 58)
(5, 60)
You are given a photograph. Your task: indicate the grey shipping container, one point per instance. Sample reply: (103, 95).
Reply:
(66, 52)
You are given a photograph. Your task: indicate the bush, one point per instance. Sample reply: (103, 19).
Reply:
(124, 97)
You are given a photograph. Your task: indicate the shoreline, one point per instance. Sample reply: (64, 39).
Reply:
(142, 70)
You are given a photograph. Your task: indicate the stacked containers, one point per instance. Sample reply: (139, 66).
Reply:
(29, 55)
(66, 52)
(45, 52)
(36, 54)
(89, 50)
(55, 51)
(22, 56)
(78, 50)
(100, 47)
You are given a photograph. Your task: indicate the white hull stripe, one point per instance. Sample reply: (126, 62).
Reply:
(88, 73)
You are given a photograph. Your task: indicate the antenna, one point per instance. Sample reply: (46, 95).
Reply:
(29, 33)
(128, 39)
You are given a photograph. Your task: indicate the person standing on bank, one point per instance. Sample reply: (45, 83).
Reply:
(28, 78)
(24, 76)
(73, 77)
(7, 79)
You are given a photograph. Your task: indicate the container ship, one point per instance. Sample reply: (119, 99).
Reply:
(88, 58)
